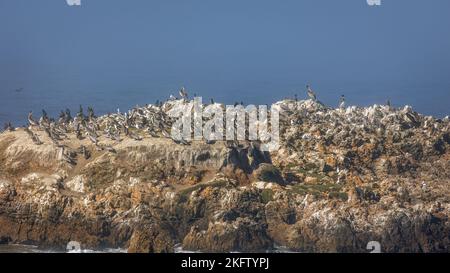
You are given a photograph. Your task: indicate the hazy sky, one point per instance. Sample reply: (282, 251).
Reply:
(251, 50)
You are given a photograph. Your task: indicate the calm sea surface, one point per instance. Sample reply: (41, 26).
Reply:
(14, 105)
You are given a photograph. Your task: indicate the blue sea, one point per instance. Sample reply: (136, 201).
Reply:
(114, 54)
(15, 105)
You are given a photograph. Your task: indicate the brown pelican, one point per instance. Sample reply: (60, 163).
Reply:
(91, 114)
(342, 102)
(68, 116)
(93, 139)
(135, 136)
(80, 113)
(8, 127)
(412, 118)
(311, 93)
(66, 157)
(33, 136)
(31, 120)
(165, 133)
(110, 149)
(85, 152)
(183, 93)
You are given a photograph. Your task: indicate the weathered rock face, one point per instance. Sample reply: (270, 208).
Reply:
(341, 178)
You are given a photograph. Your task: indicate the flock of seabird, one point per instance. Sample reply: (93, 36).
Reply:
(151, 119)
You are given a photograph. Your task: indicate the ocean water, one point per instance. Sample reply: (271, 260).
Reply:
(34, 249)
(14, 248)
(117, 55)
(14, 106)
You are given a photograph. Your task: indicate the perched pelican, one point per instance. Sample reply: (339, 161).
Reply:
(172, 97)
(342, 102)
(8, 127)
(183, 93)
(66, 157)
(68, 115)
(31, 120)
(44, 114)
(110, 149)
(311, 93)
(85, 152)
(91, 114)
(80, 112)
(388, 104)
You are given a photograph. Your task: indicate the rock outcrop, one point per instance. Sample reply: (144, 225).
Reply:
(341, 178)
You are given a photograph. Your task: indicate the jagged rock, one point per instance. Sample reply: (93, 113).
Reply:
(355, 175)
(269, 173)
(243, 234)
(150, 239)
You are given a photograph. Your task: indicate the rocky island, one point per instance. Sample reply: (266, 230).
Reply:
(340, 179)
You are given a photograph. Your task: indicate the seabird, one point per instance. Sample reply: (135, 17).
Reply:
(165, 133)
(8, 127)
(68, 158)
(91, 114)
(33, 136)
(172, 97)
(44, 114)
(411, 118)
(342, 102)
(93, 139)
(78, 132)
(388, 103)
(68, 115)
(311, 93)
(80, 113)
(31, 120)
(110, 149)
(183, 93)
(181, 141)
(85, 152)
(18, 89)
(150, 132)
(135, 136)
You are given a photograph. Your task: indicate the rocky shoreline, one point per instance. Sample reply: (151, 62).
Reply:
(341, 178)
